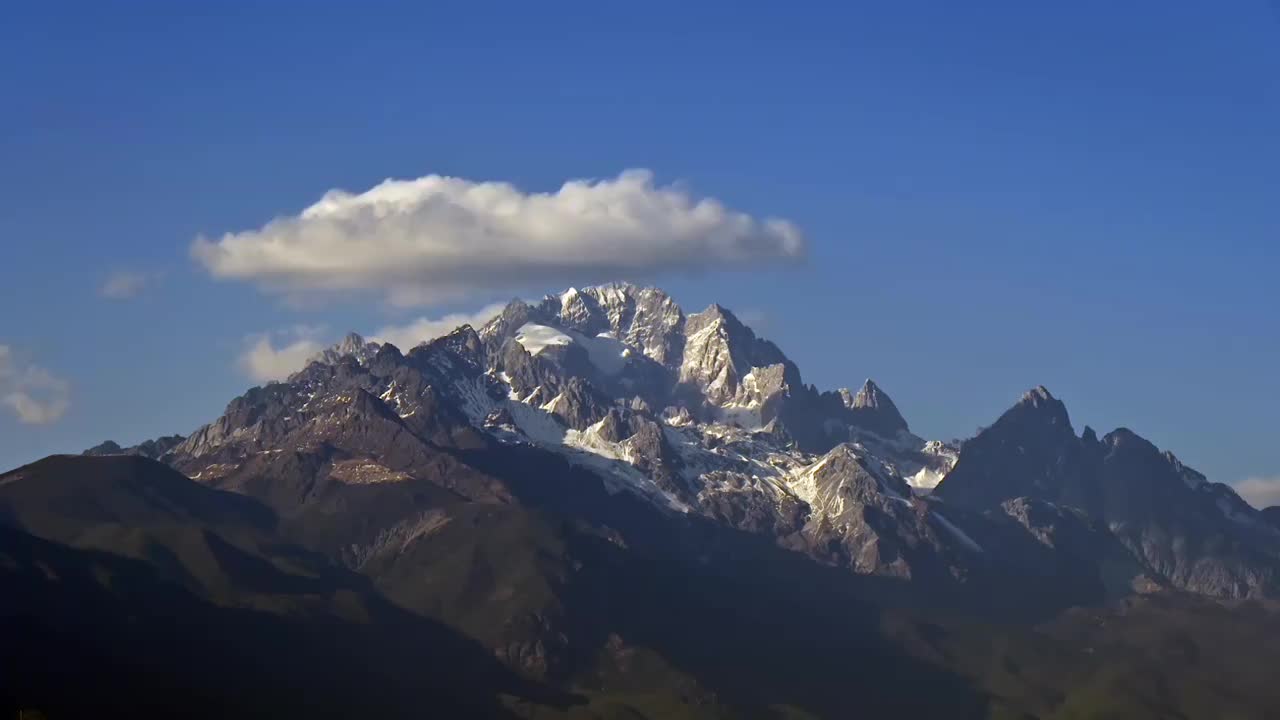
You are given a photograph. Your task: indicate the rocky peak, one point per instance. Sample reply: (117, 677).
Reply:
(1037, 395)
(848, 464)
(515, 314)
(873, 410)
(387, 359)
(153, 449)
(1195, 535)
(870, 396)
(645, 318)
(578, 404)
(495, 333)
(504, 324)
(1038, 408)
(717, 315)
(720, 351)
(1125, 438)
(717, 354)
(580, 311)
(353, 346)
(1030, 450)
(464, 342)
(109, 447)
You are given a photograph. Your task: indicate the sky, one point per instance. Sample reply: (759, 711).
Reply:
(960, 200)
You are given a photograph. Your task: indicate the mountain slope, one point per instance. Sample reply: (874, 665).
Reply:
(701, 418)
(356, 455)
(128, 588)
(1186, 531)
(747, 629)
(562, 482)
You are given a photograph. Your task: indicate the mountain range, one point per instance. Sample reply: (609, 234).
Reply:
(599, 505)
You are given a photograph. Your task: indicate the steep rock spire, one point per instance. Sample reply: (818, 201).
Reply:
(873, 410)
(1030, 450)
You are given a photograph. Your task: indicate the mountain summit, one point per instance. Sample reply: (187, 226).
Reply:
(352, 345)
(1195, 534)
(698, 418)
(585, 484)
(873, 409)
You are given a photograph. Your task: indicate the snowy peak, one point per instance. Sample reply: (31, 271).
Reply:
(577, 310)
(556, 367)
(870, 396)
(746, 349)
(741, 375)
(710, 363)
(697, 414)
(645, 318)
(848, 468)
(516, 314)
(743, 337)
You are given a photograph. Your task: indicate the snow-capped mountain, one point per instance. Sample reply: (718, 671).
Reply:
(700, 418)
(692, 412)
(715, 403)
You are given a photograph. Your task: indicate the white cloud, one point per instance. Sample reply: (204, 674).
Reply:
(423, 329)
(1260, 492)
(434, 238)
(276, 356)
(36, 396)
(124, 284)
(263, 361)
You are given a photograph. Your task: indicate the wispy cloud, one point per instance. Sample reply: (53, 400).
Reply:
(262, 360)
(1260, 492)
(423, 329)
(125, 284)
(35, 395)
(276, 355)
(435, 238)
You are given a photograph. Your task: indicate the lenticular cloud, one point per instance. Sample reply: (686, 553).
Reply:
(434, 238)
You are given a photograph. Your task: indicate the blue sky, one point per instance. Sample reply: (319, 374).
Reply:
(1082, 195)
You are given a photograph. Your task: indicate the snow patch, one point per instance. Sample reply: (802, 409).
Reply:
(535, 338)
(960, 535)
(604, 351)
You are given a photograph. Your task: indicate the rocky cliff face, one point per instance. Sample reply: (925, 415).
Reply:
(1187, 532)
(872, 410)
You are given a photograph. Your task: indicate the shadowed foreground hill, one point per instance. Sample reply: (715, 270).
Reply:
(647, 633)
(1166, 655)
(149, 595)
(149, 616)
